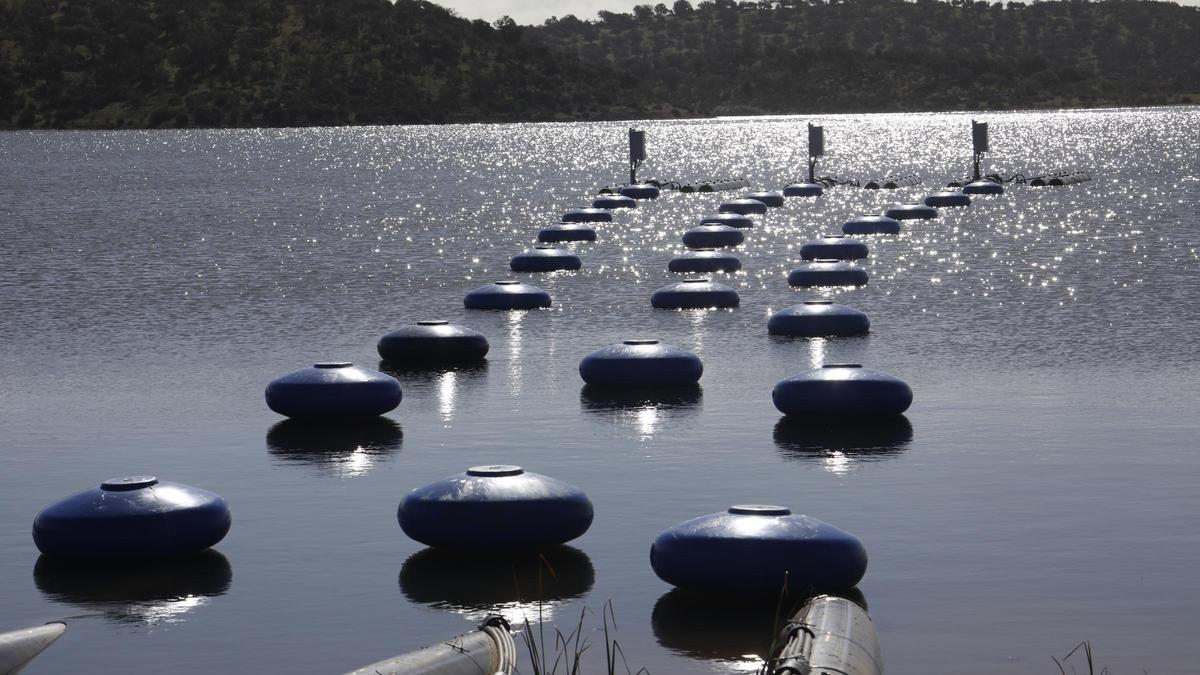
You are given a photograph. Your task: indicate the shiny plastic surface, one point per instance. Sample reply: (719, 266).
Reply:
(432, 342)
(803, 190)
(695, 294)
(827, 273)
(154, 519)
(507, 295)
(758, 549)
(567, 232)
(871, 225)
(842, 390)
(731, 219)
(911, 212)
(641, 363)
(834, 247)
(545, 259)
(818, 318)
(334, 390)
(587, 215)
(495, 508)
(743, 207)
(704, 260)
(712, 236)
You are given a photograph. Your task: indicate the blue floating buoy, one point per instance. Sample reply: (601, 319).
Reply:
(818, 318)
(871, 225)
(834, 247)
(731, 219)
(587, 215)
(844, 390)
(695, 294)
(771, 198)
(947, 198)
(911, 212)
(641, 363)
(705, 260)
(129, 518)
(827, 273)
(614, 202)
(804, 190)
(983, 187)
(495, 508)
(712, 236)
(333, 390)
(545, 258)
(641, 191)
(507, 295)
(743, 207)
(758, 549)
(567, 232)
(432, 342)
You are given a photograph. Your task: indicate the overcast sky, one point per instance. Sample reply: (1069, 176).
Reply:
(537, 11)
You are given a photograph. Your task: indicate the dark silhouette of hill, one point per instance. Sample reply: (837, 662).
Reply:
(221, 63)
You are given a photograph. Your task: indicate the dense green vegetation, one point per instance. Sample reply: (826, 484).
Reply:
(152, 63)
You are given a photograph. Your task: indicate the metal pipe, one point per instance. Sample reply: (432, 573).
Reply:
(18, 647)
(486, 651)
(829, 636)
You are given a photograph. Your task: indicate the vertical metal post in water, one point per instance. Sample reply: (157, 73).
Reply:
(816, 148)
(637, 153)
(979, 141)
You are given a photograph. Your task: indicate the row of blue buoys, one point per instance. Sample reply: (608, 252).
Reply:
(747, 549)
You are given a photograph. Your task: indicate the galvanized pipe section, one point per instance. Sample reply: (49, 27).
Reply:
(829, 636)
(487, 651)
(18, 647)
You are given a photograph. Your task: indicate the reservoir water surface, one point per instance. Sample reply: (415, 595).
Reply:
(1042, 491)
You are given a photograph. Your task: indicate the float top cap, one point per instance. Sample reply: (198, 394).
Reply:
(842, 365)
(507, 282)
(818, 302)
(433, 322)
(760, 510)
(333, 364)
(495, 470)
(128, 483)
(700, 280)
(641, 341)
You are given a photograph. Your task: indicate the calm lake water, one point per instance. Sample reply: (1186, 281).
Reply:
(1044, 491)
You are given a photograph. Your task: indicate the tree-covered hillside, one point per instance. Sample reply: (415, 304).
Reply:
(786, 56)
(73, 63)
(153, 63)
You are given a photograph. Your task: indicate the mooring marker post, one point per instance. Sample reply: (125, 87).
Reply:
(637, 153)
(816, 148)
(979, 141)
